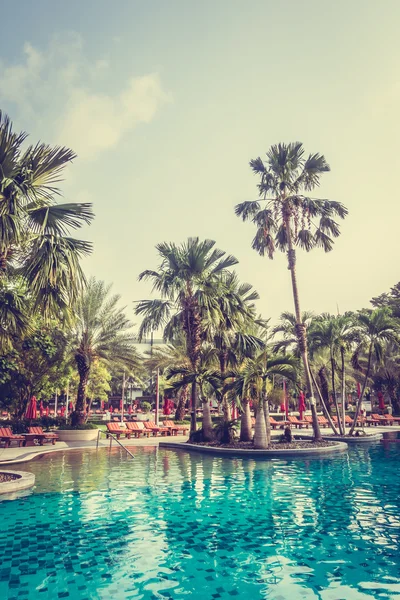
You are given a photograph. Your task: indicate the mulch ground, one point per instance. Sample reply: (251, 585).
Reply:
(273, 446)
(7, 477)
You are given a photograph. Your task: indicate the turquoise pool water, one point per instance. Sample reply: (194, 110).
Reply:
(181, 526)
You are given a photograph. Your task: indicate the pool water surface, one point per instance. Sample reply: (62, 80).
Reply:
(175, 525)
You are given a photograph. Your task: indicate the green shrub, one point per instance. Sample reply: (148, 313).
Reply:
(146, 406)
(66, 427)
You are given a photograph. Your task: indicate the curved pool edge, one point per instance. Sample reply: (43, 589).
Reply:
(234, 452)
(25, 480)
(30, 456)
(368, 439)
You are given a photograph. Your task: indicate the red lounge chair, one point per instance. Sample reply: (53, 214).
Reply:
(46, 436)
(137, 428)
(117, 430)
(383, 419)
(274, 424)
(348, 421)
(7, 436)
(297, 423)
(173, 426)
(154, 429)
(372, 420)
(321, 420)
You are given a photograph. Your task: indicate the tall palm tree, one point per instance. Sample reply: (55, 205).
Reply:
(287, 220)
(34, 229)
(102, 332)
(375, 329)
(190, 280)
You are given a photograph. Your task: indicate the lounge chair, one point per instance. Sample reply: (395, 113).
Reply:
(7, 436)
(293, 420)
(173, 426)
(137, 428)
(155, 429)
(117, 430)
(46, 436)
(321, 420)
(373, 420)
(274, 424)
(384, 419)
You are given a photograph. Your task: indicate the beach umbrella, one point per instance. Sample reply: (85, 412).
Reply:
(120, 404)
(62, 412)
(381, 401)
(285, 399)
(302, 405)
(111, 409)
(130, 409)
(41, 408)
(282, 407)
(102, 405)
(47, 410)
(31, 412)
(166, 408)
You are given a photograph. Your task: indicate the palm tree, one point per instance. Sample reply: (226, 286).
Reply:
(190, 280)
(34, 228)
(233, 336)
(100, 332)
(14, 313)
(286, 221)
(387, 376)
(251, 382)
(336, 333)
(375, 329)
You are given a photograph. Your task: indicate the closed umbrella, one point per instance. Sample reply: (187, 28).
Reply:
(47, 410)
(302, 405)
(41, 408)
(102, 405)
(120, 405)
(31, 411)
(285, 399)
(381, 401)
(62, 412)
(130, 409)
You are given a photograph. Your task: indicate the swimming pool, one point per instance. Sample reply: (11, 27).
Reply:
(171, 524)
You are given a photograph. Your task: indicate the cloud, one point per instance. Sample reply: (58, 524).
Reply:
(69, 96)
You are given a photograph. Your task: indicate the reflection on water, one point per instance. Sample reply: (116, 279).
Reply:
(170, 524)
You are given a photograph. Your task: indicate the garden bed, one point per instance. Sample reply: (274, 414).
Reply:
(296, 444)
(14, 481)
(4, 477)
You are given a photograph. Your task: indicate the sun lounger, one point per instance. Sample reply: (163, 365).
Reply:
(321, 420)
(7, 436)
(155, 429)
(293, 420)
(47, 436)
(173, 426)
(137, 428)
(117, 430)
(273, 422)
(384, 419)
(373, 420)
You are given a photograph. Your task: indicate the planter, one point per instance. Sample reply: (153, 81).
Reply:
(22, 481)
(77, 435)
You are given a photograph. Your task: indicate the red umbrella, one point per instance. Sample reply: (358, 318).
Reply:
(282, 407)
(31, 412)
(71, 407)
(286, 399)
(62, 412)
(41, 408)
(111, 409)
(302, 405)
(47, 410)
(102, 405)
(130, 409)
(381, 400)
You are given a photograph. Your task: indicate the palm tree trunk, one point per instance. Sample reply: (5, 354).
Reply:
(343, 369)
(245, 422)
(180, 407)
(300, 328)
(79, 416)
(193, 419)
(224, 400)
(361, 398)
(207, 422)
(260, 430)
(266, 413)
(333, 372)
(324, 406)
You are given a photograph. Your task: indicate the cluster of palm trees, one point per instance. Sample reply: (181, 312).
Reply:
(41, 278)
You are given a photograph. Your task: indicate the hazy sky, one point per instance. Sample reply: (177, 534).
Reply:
(165, 102)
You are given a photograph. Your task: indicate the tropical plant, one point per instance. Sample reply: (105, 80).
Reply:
(287, 221)
(374, 330)
(100, 332)
(190, 280)
(336, 333)
(34, 229)
(251, 383)
(286, 330)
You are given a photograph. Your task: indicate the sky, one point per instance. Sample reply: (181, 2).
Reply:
(165, 103)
